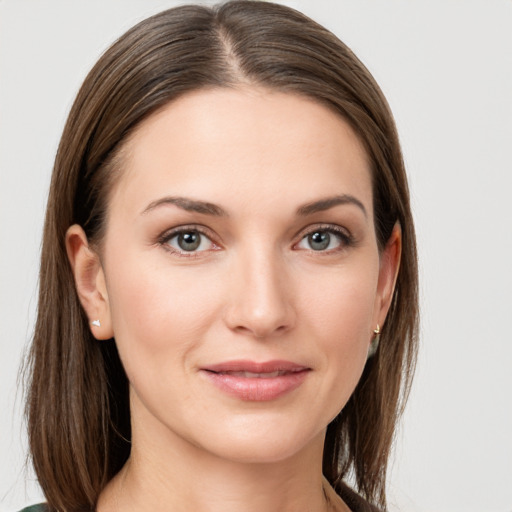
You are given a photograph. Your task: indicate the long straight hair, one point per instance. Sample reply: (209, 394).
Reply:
(77, 403)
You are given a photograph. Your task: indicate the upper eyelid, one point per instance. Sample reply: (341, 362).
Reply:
(170, 233)
(324, 227)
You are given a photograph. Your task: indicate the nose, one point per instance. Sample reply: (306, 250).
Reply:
(260, 302)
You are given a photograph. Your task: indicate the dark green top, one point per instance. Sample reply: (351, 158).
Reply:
(353, 500)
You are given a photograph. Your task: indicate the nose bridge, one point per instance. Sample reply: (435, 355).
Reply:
(260, 304)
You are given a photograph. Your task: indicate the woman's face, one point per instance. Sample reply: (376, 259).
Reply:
(240, 273)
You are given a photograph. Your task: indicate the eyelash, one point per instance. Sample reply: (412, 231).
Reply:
(346, 239)
(166, 237)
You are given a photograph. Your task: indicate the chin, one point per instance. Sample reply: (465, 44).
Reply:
(262, 442)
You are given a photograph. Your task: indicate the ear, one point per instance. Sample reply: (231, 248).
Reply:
(388, 272)
(90, 282)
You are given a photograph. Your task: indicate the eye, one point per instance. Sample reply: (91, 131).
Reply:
(324, 239)
(188, 241)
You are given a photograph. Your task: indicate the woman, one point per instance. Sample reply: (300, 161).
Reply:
(228, 293)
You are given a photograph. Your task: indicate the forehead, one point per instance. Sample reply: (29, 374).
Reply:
(243, 143)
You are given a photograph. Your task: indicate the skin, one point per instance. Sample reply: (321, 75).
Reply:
(255, 289)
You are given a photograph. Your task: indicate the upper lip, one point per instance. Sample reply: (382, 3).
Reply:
(255, 367)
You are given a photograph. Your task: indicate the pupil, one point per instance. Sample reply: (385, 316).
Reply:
(189, 241)
(319, 240)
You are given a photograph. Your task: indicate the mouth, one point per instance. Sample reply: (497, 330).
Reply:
(253, 381)
(253, 375)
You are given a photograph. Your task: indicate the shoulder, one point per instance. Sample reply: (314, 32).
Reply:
(36, 508)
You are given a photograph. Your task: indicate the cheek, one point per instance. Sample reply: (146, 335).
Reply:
(341, 302)
(159, 312)
(339, 311)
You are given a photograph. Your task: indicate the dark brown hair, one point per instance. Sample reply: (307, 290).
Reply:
(77, 406)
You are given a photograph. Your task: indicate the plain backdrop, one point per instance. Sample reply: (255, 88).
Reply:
(446, 68)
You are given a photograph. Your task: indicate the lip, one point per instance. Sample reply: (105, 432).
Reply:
(256, 381)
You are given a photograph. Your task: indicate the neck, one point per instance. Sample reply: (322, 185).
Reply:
(167, 473)
(199, 484)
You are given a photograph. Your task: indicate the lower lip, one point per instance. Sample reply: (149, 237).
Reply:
(257, 389)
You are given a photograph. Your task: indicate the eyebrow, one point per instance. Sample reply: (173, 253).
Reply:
(329, 202)
(192, 205)
(189, 205)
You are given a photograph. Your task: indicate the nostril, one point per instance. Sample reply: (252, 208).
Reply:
(261, 332)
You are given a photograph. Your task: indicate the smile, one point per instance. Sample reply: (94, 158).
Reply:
(258, 382)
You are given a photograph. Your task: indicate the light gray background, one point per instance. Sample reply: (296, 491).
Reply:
(446, 68)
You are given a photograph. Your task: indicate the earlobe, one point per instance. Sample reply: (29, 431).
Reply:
(89, 282)
(388, 273)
